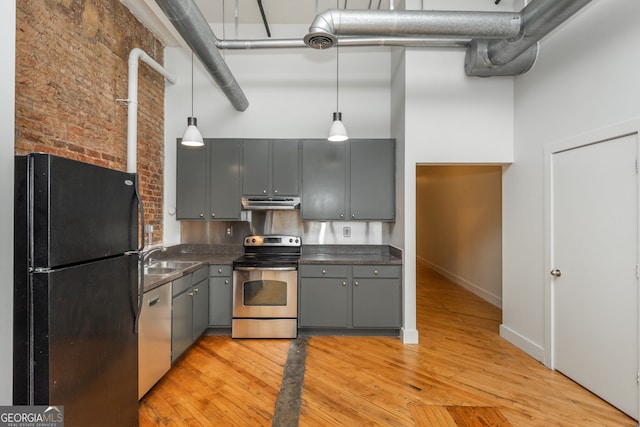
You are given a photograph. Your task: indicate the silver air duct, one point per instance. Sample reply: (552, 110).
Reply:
(325, 27)
(501, 43)
(540, 18)
(194, 29)
(246, 44)
(516, 56)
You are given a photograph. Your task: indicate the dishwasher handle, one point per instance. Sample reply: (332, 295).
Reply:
(265, 268)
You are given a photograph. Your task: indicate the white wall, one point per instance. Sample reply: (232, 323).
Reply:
(7, 126)
(447, 118)
(291, 93)
(459, 225)
(586, 78)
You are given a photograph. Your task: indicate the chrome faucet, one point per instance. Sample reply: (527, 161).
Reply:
(147, 254)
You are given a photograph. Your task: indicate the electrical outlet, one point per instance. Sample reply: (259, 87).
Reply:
(346, 231)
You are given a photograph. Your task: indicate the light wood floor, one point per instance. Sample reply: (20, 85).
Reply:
(461, 374)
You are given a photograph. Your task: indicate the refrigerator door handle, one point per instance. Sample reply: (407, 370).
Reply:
(140, 257)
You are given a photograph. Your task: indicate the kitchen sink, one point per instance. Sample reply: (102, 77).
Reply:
(158, 270)
(170, 265)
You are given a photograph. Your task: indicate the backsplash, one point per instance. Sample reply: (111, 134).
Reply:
(281, 222)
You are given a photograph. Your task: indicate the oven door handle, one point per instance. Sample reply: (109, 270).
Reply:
(265, 268)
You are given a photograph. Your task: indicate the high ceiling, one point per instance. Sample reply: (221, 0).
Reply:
(243, 12)
(278, 11)
(239, 13)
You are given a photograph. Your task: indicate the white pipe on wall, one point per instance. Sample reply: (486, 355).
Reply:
(132, 100)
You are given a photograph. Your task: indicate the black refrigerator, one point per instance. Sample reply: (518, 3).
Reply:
(76, 290)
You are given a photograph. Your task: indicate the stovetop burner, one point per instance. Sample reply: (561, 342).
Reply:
(265, 251)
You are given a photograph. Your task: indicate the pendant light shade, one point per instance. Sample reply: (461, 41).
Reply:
(192, 136)
(337, 132)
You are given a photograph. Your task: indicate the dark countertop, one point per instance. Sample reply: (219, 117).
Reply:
(205, 255)
(351, 254)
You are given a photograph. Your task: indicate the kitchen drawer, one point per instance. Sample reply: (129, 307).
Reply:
(324, 271)
(219, 270)
(377, 271)
(200, 275)
(182, 284)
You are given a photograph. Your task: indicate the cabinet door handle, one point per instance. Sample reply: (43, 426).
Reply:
(213, 215)
(190, 294)
(264, 191)
(324, 271)
(341, 216)
(353, 216)
(355, 283)
(375, 272)
(201, 215)
(275, 191)
(220, 270)
(196, 290)
(226, 282)
(344, 283)
(154, 301)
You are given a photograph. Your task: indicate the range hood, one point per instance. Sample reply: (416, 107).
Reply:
(270, 203)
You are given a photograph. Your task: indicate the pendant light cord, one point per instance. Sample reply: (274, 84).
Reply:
(337, 66)
(191, 83)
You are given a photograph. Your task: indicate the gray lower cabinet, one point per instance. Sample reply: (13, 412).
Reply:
(220, 296)
(377, 292)
(208, 180)
(351, 180)
(324, 296)
(354, 297)
(200, 303)
(189, 311)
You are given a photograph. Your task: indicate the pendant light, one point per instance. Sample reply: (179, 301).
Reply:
(192, 136)
(337, 131)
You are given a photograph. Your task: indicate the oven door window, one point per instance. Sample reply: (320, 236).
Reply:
(264, 293)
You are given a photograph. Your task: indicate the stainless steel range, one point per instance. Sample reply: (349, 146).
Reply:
(265, 288)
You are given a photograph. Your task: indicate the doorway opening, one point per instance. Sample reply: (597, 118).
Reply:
(459, 225)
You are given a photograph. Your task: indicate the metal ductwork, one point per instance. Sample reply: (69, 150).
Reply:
(325, 27)
(502, 43)
(194, 29)
(516, 56)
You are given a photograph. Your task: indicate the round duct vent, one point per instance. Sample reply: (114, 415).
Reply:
(320, 40)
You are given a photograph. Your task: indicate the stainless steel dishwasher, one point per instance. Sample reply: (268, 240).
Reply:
(154, 337)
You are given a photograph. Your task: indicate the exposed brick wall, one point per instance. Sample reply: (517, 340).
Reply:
(71, 66)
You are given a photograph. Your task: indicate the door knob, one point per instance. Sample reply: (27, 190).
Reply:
(556, 273)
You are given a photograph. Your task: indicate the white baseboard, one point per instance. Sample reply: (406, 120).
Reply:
(532, 349)
(409, 336)
(471, 287)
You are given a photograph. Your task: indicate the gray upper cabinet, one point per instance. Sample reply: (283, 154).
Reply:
(351, 180)
(226, 157)
(324, 177)
(270, 167)
(208, 180)
(192, 183)
(372, 192)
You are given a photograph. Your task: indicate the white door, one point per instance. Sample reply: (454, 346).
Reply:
(595, 256)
